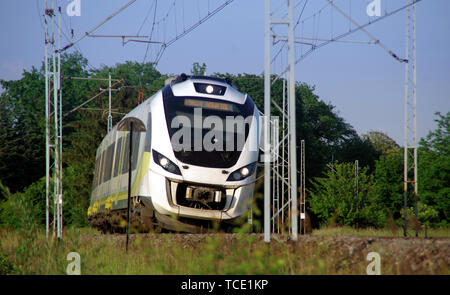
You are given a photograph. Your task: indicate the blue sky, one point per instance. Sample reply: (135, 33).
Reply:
(364, 83)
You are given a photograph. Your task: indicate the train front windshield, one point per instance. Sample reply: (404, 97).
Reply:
(207, 132)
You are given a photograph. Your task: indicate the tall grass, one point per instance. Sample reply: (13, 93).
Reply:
(387, 232)
(157, 254)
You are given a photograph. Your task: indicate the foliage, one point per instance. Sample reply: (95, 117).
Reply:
(341, 197)
(439, 139)
(434, 182)
(434, 168)
(433, 174)
(381, 142)
(24, 209)
(198, 70)
(426, 215)
(357, 148)
(389, 183)
(22, 155)
(4, 192)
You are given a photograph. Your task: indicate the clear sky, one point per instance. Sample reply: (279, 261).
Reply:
(364, 83)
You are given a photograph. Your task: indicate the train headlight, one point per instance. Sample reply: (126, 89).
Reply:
(242, 173)
(209, 89)
(165, 163)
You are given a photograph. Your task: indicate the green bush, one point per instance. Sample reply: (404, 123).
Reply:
(335, 201)
(24, 209)
(426, 215)
(18, 212)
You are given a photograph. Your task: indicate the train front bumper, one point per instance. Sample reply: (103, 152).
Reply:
(167, 199)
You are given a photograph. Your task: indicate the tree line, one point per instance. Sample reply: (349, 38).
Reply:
(332, 146)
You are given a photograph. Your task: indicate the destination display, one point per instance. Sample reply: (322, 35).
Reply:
(212, 105)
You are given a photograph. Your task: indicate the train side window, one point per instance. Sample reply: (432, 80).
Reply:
(148, 135)
(134, 157)
(99, 170)
(95, 181)
(118, 154)
(126, 154)
(95, 174)
(109, 159)
(102, 169)
(136, 144)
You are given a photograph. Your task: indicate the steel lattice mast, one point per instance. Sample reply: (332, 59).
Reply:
(53, 118)
(284, 185)
(410, 180)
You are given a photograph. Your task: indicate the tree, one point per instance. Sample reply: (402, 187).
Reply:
(381, 142)
(389, 183)
(439, 139)
(198, 70)
(357, 148)
(434, 169)
(335, 199)
(25, 209)
(22, 122)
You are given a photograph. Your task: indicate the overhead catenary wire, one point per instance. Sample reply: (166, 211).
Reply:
(296, 24)
(313, 48)
(151, 31)
(377, 41)
(96, 27)
(146, 17)
(91, 99)
(191, 28)
(90, 66)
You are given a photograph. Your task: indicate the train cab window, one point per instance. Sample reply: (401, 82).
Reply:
(118, 153)
(109, 159)
(186, 106)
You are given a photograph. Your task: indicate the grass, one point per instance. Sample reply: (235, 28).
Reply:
(373, 232)
(156, 254)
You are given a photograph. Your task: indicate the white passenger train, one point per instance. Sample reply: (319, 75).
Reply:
(187, 170)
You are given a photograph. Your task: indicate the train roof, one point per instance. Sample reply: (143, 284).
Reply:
(195, 86)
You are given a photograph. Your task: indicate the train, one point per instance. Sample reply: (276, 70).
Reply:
(193, 169)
